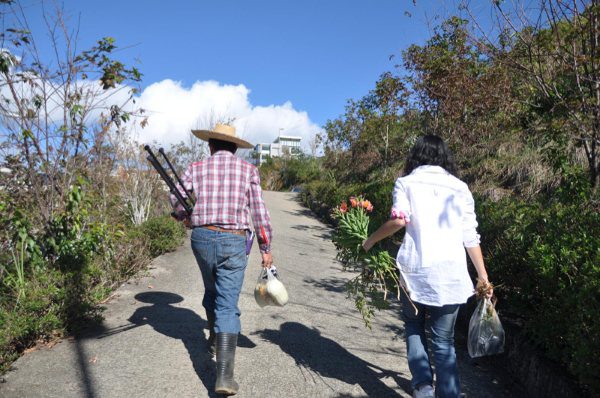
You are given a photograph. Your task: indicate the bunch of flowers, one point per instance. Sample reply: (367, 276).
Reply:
(377, 269)
(353, 228)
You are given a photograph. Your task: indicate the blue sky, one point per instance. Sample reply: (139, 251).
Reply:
(280, 57)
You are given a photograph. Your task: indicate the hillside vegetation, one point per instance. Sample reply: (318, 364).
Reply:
(80, 209)
(521, 112)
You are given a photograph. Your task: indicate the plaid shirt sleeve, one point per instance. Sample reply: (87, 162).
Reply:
(259, 213)
(186, 179)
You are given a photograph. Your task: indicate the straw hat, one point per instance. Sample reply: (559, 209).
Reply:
(222, 132)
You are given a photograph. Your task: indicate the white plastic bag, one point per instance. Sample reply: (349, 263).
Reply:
(486, 335)
(275, 288)
(260, 291)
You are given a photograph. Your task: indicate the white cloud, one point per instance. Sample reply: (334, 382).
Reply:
(173, 110)
(93, 98)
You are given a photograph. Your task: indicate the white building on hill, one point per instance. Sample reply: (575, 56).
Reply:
(284, 145)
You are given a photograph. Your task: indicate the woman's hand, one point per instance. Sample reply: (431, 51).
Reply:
(367, 244)
(484, 288)
(388, 228)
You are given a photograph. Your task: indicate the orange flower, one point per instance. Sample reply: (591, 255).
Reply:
(353, 201)
(368, 206)
(344, 207)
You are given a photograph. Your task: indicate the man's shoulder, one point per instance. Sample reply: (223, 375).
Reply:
(247, 164)
(227, 160)
(243, 163)
(197, 165)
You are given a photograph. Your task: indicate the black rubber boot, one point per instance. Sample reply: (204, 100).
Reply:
(212, 344)
(226, 344)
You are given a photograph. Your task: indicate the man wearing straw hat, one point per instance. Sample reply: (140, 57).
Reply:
(228, 195)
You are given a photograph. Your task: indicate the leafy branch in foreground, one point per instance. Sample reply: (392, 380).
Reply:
(377, 269)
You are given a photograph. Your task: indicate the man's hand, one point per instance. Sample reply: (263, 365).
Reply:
(183, 217)
(267, 260)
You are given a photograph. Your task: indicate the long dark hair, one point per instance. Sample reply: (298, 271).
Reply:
(430, 150)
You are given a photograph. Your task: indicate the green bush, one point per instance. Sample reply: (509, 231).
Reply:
(323, 195)
(36, 316)
(270, 175)
(546, 257)
(164, 234)
(379, 192)
(296, 171)
(52, 277)
(319, 190)
(285, 173)
(73, 243)
(82, 262)
(130, 253)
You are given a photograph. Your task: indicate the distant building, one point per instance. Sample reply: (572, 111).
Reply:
(260, 153)
(284, 145)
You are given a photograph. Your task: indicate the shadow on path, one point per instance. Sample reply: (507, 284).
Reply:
(178, 323)
(86, 377)
(330, 284)
(316, 231)
(329, 359)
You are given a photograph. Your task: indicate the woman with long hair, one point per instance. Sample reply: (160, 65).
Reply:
(437, 209)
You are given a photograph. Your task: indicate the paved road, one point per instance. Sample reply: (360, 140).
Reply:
(153, 340)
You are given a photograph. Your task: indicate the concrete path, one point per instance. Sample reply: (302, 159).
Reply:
(153, 340)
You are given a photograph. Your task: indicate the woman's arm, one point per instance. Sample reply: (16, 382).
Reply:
(388, 228)
(482, 276)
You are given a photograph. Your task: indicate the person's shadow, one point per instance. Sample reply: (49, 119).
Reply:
(178, 323)
(329, 359)
(182, 324)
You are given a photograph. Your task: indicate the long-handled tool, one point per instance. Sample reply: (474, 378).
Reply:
(185, 201)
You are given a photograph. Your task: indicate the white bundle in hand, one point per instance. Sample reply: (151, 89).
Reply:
(276, 289)
(260, 291)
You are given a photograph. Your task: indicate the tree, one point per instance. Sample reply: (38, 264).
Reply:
(56, 114)
(386, 102)
(314, 143)
(456, 86)
(368, 136)
(556, 47)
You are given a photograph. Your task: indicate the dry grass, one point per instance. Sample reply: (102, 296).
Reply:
(513, 168)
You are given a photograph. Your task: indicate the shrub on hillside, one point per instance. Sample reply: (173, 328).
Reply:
(546, 256)
(320, 193)
(164, 234)
(296, 171)
(35, 317)
(52, 278)
(47, 282)
(380, 193)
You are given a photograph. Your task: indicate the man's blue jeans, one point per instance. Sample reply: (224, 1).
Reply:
(440, 321)
(221, 257)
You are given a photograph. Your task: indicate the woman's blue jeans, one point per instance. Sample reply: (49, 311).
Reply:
(221, 257)
(440, 321)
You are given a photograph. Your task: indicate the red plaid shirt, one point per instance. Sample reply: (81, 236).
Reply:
(228, 194)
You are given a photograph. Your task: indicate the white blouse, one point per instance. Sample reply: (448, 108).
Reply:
(441, 219)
